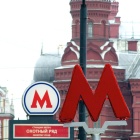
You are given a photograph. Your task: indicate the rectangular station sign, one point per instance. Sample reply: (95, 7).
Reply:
(42, 131)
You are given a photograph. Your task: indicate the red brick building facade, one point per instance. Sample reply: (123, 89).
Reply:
(102, 47)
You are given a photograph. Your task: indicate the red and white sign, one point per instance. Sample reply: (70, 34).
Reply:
(41, 98)
(44, 131)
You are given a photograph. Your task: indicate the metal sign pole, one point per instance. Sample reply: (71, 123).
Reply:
(83, 19)
(96, 137)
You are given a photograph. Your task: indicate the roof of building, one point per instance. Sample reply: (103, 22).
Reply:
(44, 68)
(45, 65)
(131, 62)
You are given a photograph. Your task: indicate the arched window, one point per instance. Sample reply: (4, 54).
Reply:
(90, 29)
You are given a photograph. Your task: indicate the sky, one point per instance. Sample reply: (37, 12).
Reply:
(26, 26)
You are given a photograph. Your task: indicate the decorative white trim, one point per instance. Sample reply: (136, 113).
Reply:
(104, 52)
(106, 43)
(74, 44)
(136, 133)
(77, 53)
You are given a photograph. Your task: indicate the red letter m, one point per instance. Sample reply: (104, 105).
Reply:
(80, 89)
(41, 102)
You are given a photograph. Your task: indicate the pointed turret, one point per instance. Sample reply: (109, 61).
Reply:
(102, 28)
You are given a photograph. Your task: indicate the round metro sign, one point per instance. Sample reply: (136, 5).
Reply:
(41, 98)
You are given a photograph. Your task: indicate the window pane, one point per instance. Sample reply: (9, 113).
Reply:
(90, 29)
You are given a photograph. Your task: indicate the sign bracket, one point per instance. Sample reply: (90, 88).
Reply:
(95, 132)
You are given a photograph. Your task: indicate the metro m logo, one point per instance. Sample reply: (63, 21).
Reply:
(42, 101)
(41, 98)
(93, 100)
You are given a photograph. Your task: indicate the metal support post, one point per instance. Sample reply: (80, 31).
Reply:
(83, 18)
(96, 137)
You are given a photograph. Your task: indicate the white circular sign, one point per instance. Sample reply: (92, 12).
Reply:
(41, 98)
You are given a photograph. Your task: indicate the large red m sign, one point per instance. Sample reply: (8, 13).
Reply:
(93, 100)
